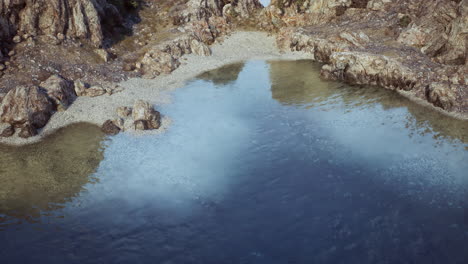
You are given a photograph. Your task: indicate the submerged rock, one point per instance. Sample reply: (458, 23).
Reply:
(60, 91)
(110, 128)
(145, 117)
(26, 106)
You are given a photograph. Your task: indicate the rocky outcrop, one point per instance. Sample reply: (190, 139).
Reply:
(306, 12)
(145, 117)
(60, 91)
(368, 68)
(373, 43)
(85, 89)
(156, 62)
(164, 58)
(441, 31)
(59, 19)
(141, 117)
(202, 9)
(28, 108)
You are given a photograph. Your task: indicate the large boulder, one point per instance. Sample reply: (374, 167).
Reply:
(60, 91)
(26, 107)
(78, 19)
(156, 62)
(145, 117)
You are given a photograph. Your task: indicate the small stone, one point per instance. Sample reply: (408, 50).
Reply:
(7, 63)
(60, 36)
(12, 53)
(95, 91)
(129, 67)
(17, 39)
(8, 131)
(103, 54)
(80, 88)
(110, 128)
(120, 122)
(27, 131)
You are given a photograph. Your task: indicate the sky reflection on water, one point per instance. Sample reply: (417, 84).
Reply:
(266, 163)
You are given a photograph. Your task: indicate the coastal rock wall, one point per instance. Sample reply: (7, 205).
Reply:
(77, 19)
(397, 45)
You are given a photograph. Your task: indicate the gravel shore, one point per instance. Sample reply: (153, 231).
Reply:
(239, 46)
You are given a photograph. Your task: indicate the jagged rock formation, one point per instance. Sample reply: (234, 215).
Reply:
(28, 108)
(142, 116)
(59, 19)
(164, 58)
(60, 91)
(202, 9)
(415, 46)
(440, 31)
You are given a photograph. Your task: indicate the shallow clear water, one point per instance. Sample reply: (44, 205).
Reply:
(264, 163)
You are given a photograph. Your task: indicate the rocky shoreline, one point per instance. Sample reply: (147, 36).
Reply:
(55, 72)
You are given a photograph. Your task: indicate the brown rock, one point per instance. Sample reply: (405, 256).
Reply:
(94, 91)
(79, 19)
(103, 54)
(441, 95)
(84, 89)
(145, 117)
(110, 128)
(7, 131)
(27, 131)
(17, 39)
(60, 91)
(26, 105)
(440, 31)
(156, 62)
(368, 68)
(80, 88)
(128, 67)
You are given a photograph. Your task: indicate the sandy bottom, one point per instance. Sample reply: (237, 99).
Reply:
(239, 46)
